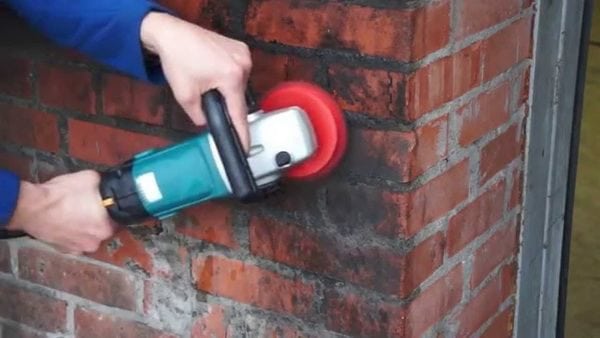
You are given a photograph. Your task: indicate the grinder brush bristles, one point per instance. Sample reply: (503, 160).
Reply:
(327, 120)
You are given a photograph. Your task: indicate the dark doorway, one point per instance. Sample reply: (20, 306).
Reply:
(583, 297)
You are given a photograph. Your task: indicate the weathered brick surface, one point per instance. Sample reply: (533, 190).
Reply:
(106, 145)
(92, 324)
(14, 331)
(475, 218)
(124, 249)
(254, 285)
(210, 222)
(484, 114)
(502, 326)
(33, 309)
(393, 33)
(105, 286)
(28, 127)
(500, 152)
(55, 81)
(211, 323)
(435, 302)
(17, 163)
(370, 267)
(15, 74)
(4, 258)
(416, 234)
(131, 99)
(487, 301)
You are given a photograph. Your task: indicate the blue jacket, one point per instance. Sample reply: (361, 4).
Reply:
(105, 30)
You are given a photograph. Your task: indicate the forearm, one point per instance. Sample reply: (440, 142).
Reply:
(106, 30)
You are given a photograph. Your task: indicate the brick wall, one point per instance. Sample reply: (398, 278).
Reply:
(415, 235)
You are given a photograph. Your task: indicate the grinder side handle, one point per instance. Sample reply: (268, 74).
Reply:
(230, 149)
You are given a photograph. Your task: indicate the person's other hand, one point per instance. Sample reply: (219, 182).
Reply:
(65, 212)
(196, 60)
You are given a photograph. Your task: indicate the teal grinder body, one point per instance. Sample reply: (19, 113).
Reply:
(212, 165)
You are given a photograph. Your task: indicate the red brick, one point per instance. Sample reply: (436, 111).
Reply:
(401, 34)
(431, 146)
(424, 260)
(475, 218)
(101, 285)
(66, 87)
(477, 15)
(486, 303)
(4, 257)
(371, 267)
(484, 114)
(15, 77)
(13, 331)
(71, 55)
(213, 323)
(92, 324)
(398, 155)
(442, 81)
(500, 246)
(507, 48)
(19, 164)
(106, 145)
(350, 314)
(270, 69)
(28, 127)
(374, 92)
(211, 222)
(123, 249)
(502, 326)
(438, 196)
(178, 117)
(516, 191)
(405, 214)
(131, 99)
(212, 14)
(32, 309)
(434, 303)
(501, 151)
(250, 284)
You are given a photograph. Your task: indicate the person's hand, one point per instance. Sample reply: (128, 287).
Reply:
(196, 60)
(65, 212)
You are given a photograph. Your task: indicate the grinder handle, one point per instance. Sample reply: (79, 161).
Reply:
(229, 146)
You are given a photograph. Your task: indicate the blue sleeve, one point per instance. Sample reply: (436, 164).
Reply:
(9, 194)
(107, 31)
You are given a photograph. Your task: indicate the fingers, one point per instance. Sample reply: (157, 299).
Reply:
(189, 98)
(243, 58)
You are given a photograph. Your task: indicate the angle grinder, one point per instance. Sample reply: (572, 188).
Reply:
(297, 132)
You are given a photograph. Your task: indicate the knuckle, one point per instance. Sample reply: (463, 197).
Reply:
(91, 246)
(245, 52)
(186, 98)
(234, 72)
(246, 63)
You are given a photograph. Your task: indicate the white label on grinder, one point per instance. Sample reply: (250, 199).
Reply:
(149, 187)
